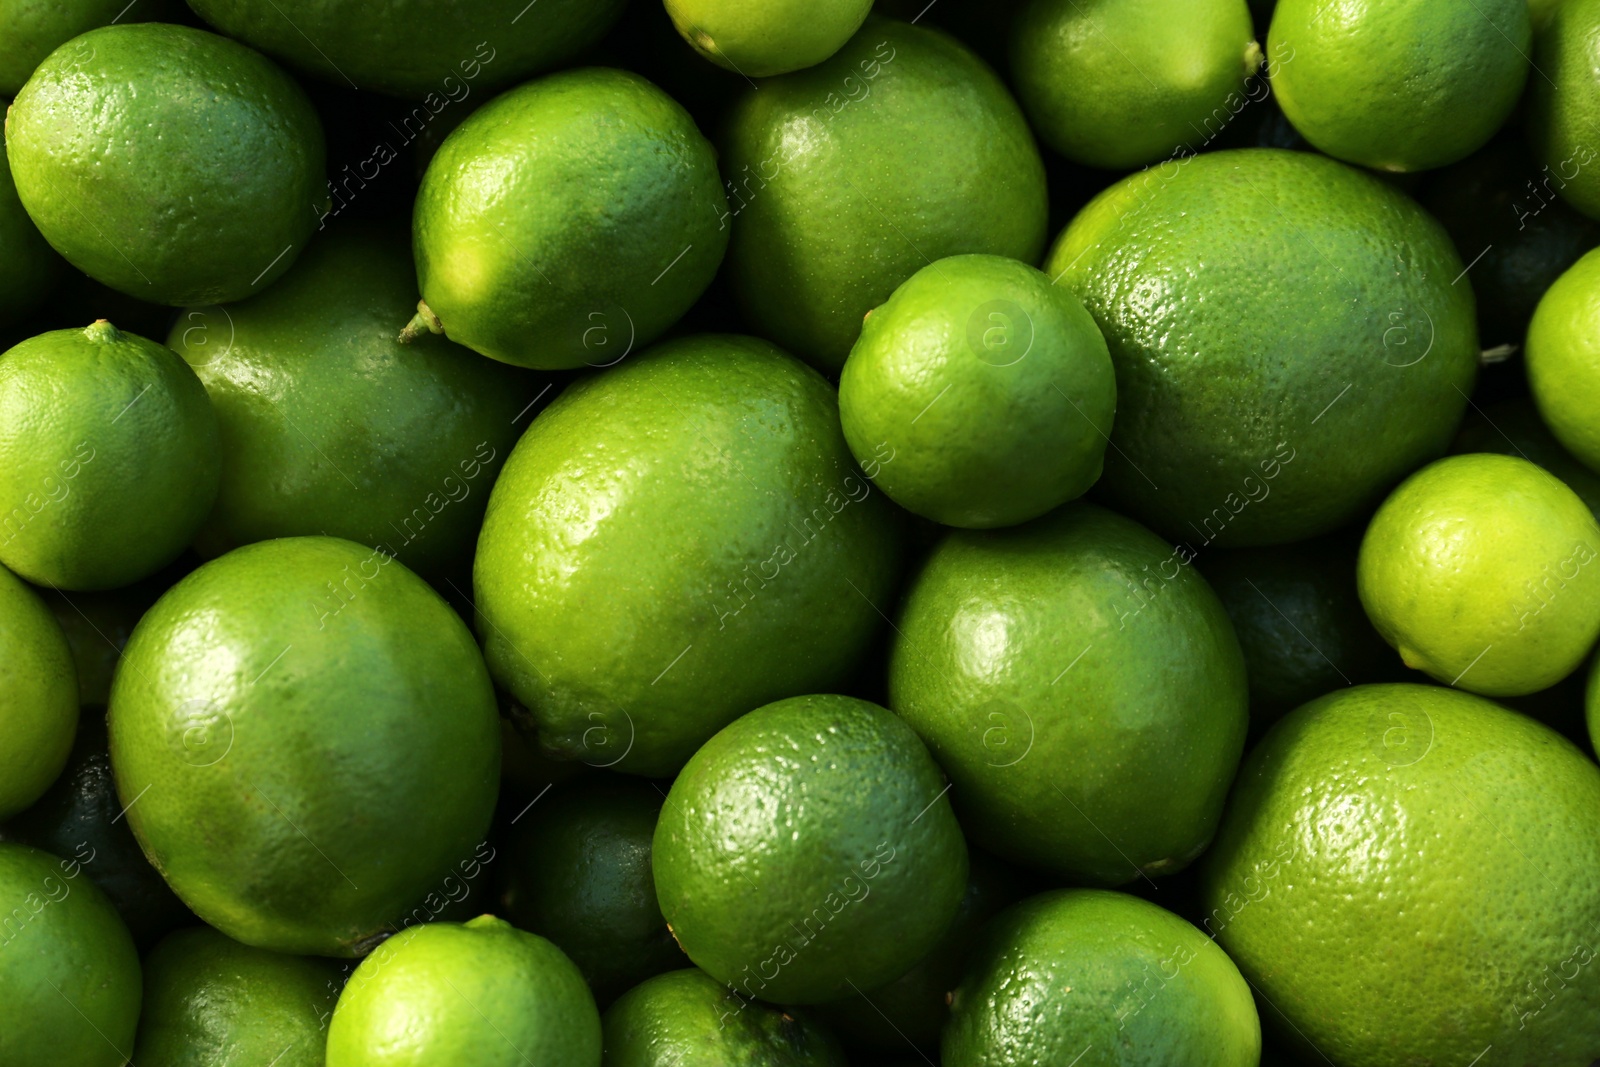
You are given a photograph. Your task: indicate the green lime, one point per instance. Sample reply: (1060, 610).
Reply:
(81, 816)
(212, 1002)
(1476, 570)
(1563, 355)
(1082, 687)
(29, 267)
(1400, 85)
(424, 50)
(689, 1019)
(169, 163)
(1102, 979)
(483, 993)
(330, 426)
(1380, 830)
(109, 457)
(306, 740)
(1564, 104)
(69, 974)
(1299, 620)
(989, 389)
(809, 849)
(674, 542)
(38, 696)
(823, 230)
(1122, 83)
(35, 28)
(1287, 340)
(1514, 428)
(578, 872)
(568, 222)
(760, 38)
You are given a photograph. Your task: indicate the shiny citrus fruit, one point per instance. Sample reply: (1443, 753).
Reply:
(212, 1002)
(1400, 85)
(69, 975)
(169, 163)
(306, 739)
(568, 222)
(760, 38)
(29, 267)
(108, 457)
(1118, 84)
(1514, 428)
(1564, 105)
(329, 425)
(35, 28)
(1563, 353)
(38, 696)
(807, 848)
(822, 231)
(1478, 570)
(1381, 829)
(1083, 688)
(483, 993)
(1104, 977)
(990, 390)
(674, 542)
(1287, 340)
(687, 1018)
(418, 49)
(578, 872)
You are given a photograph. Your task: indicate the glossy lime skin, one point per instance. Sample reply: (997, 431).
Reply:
(427, 50)
(1121, 83)
(550, 225)
(330, 425)
(688, 1019)
(761, 38)
(35, 28)
(29, 267)
(809, 846)
(1400, 85)
(69, 975)
(1478, 570)
(1564, 104)
(1563, 354)
(290, 714)
(38, 696)
(1380, 829)
(1071, 674)
(1103, 976)
(824, 229)
(1287, 341)
(1514, 428)
(108, 457)
(483, 993)
(578, 872)
(990, 388)
(212, 1002)
(674, 542)
(171, 164)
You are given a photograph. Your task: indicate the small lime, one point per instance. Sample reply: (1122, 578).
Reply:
(760, 38)
(1563, 355)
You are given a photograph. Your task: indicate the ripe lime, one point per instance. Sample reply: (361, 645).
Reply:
(760, 38)
(38, 696)
(1564, 104)
(1563, 355)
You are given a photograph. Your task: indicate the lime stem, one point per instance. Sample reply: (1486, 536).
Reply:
(424, 321)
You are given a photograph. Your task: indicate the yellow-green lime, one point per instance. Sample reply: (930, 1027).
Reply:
(1107, 978)
(482, 992)
(760, 38)
(1400, 85)
(1564, 104)
(824, 230)
(312, 740)
(169, 163)
(29, 267)
(1514, 428)
(69, 974)
(109, 457)
(1481, 570)
(568, 222)
(38, 696)
(212, 1002)
(807, 848)
(990, 390)
(1563, 354)
(1380, 830)
(1122, 83)
(1287, 339)
(35, 28)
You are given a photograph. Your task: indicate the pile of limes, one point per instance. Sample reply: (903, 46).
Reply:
(800, 533)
